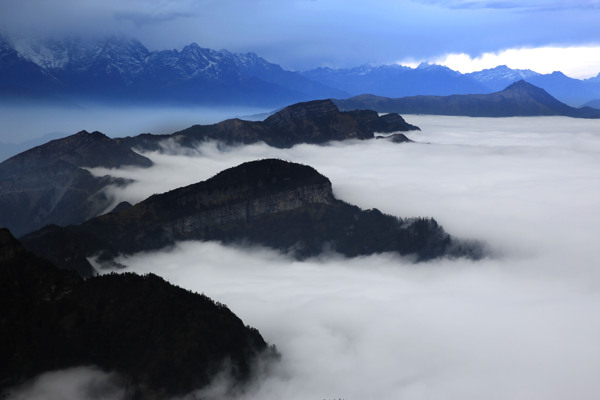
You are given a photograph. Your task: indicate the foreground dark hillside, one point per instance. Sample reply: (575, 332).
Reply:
(162, 340)
(282, 205)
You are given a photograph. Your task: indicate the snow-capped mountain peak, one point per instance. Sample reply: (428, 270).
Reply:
(502, 72)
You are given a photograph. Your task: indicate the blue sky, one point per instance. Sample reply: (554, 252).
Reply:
(304, 34)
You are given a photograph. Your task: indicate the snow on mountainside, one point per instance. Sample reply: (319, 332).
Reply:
(431, 79)
(132, 58)
(124, 69)
(502, 72)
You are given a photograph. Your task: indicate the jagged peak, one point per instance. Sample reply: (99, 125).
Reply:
(522, 84)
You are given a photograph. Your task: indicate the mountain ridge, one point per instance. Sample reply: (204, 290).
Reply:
(519, 99)
(286, 206)
(124, 70)
(51, 183)
(436, 80)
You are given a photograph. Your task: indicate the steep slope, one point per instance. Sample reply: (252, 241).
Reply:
(315, 122)
(162, 340)
(49, 184)
(274, 203)
(20, 77)
(519, 99)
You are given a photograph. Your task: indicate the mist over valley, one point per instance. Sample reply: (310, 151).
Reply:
(380, 326)
(299, 200)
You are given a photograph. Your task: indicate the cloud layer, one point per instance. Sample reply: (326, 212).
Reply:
(579, 62)
(304, 34)
(521, 325)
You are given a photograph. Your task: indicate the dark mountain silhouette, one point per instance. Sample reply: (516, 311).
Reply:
(519, 99)
(315, 122)
(49, 184)
(162, 340)
(274, 203)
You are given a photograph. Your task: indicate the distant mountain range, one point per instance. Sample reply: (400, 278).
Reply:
(123, 70)
(437, 80)
(518, 99)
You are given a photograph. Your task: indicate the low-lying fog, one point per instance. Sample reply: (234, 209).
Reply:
(523, 324)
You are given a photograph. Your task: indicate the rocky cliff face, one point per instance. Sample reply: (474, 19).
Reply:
(273, 203)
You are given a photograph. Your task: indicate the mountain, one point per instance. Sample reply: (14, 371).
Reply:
(161, 340)
(282, 205)
(8, 150)
(117, 69)
(396, 80)
(50, 183)
(519, 99)
(17, 71)
(593, 104)
(498, 78)
(123, 70)
(572, 91)
(436, 80)
(314, 122)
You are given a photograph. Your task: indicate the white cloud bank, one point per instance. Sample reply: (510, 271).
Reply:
(579, 62)
(524, 325)
(521, 326)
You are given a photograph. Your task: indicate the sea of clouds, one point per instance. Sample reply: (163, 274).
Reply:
(521, 324)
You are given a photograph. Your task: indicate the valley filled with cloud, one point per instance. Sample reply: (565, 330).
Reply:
(522, 323)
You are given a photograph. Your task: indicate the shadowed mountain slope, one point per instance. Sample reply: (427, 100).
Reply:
(273, 203)
(313, 122)
(49, 183)
(519, 99)
(162, 340)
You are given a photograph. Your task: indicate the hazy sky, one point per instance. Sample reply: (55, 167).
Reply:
(304, 34)
(523, 324)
